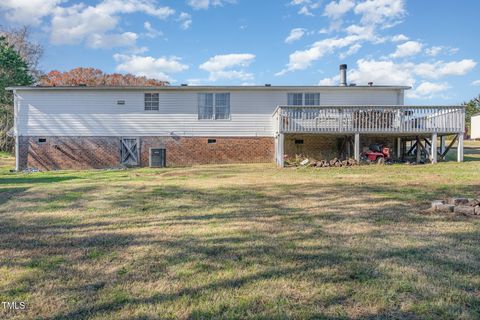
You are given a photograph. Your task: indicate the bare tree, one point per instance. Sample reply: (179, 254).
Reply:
(29, 51)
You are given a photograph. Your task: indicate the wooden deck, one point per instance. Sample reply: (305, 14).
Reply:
(370, 119)
(400, 121)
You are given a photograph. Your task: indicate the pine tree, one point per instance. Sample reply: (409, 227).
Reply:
(13, 72)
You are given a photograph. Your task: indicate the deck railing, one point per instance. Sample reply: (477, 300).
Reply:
(370, 119)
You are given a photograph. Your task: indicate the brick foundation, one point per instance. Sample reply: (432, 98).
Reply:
(314, 146)
(104, 152)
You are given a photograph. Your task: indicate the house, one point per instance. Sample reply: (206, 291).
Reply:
(475, 126)
(100, 127)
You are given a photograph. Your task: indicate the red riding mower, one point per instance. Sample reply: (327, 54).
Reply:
(377, 153)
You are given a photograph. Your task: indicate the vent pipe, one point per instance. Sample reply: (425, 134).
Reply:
(343, 75)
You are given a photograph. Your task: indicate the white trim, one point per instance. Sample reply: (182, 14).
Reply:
(16, 133)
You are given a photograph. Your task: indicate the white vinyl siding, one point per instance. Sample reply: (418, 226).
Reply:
(96, 113)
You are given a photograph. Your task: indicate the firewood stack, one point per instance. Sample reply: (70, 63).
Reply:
(300, 161)
(335, 162)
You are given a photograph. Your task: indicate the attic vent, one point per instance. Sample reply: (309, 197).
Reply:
(268, 85)
(184, 85)
(121, 102)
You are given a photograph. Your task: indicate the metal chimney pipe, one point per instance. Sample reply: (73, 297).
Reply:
(343, 75)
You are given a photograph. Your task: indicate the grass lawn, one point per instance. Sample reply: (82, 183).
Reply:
(240, 241)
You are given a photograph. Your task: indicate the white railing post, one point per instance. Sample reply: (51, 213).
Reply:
(281, 149)
(460, 147)
(433, 155)
(357, 147)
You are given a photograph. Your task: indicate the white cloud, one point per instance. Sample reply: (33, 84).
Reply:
(229, 66)
(306, 6)
(381, 72)
(373, 14)
(302, 59)
(185, 20)
(336, 10)
(295, 34)
(386, 13)
(27, 12)
(387, 72)
(441, 69)
(159, 68)
(476, 83)
(205, 4)
(151, 31)
(433, 51)
(81, 23)
(329, 81)
(426, 90)
(125, 39)
(352, 50)
(399, 38)
(436, 50)
(407, 49)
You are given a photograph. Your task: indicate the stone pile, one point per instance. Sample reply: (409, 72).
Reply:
(463, 206)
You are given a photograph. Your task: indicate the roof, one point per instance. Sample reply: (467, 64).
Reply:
(208, 88)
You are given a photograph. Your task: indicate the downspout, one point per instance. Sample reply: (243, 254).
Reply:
(15, 130)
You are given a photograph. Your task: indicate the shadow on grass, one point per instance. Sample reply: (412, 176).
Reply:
(33, 179)
(241, 240)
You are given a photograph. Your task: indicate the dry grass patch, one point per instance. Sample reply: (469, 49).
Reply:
(239, 241)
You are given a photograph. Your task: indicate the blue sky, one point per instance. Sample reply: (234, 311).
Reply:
(430, 45)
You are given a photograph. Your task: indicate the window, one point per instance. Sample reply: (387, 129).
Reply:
(214, 106)
(304, 99)
(312, 99)
(295, 99)
(151, 101)
(222, 106)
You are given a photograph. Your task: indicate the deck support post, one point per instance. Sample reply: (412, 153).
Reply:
(460, 147)
(399, 148)
(280, 150)
(418, 150)
(433, 153)
(357, 147)
(442, 144)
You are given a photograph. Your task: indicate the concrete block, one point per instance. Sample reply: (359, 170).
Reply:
(465, 210)
(447, 208)
(458, 201)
